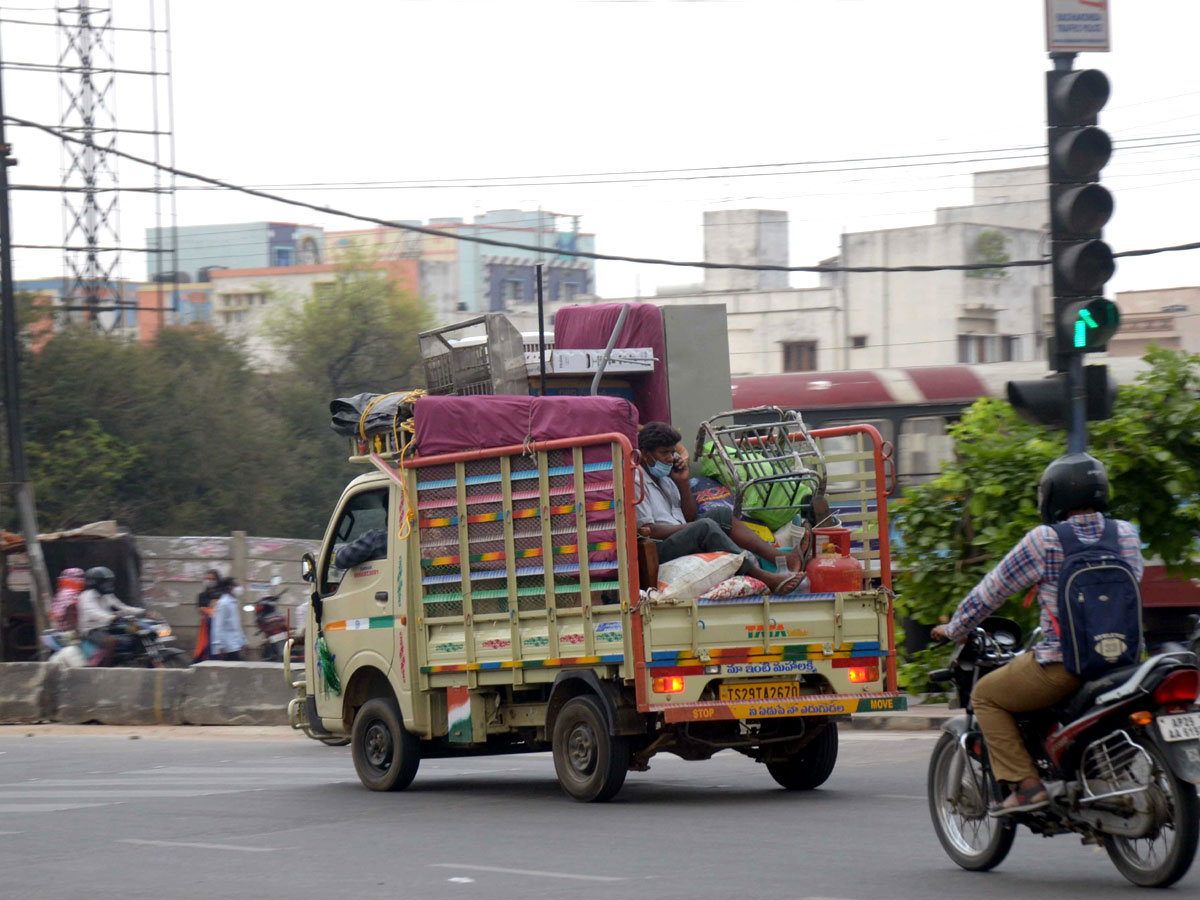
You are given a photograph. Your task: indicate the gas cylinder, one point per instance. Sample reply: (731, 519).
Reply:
(832, 567)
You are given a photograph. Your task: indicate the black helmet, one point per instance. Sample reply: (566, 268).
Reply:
(1073, 481)
(101, 578)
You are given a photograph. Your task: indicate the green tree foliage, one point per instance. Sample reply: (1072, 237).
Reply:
(357, 334)
(184, 436)
(959, 525)
(990, 247)
(354, 335)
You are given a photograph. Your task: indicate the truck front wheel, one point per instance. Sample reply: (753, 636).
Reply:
(591, 764)
(386, 755)
(810, 767)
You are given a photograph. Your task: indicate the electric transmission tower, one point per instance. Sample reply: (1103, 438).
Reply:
(91, 208)
(85, 63)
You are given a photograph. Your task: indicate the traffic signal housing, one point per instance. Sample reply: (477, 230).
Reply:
(1081, 262)
(1047, 401)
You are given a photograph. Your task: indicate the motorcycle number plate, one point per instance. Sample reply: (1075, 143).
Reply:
(276, 638)
(1180, 728)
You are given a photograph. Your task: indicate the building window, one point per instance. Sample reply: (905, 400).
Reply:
(566, 292)
(283, 256)
(986, 348)
(514, 290)
(800, 356)
(858, 342)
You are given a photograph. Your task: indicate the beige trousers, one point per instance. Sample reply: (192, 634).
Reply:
(1021, 686)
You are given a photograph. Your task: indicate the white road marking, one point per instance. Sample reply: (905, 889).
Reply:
(461, 880)
(133, 783)
(531, 872)
(197, 846)
(10, 832)
(132, 793)
(265, 771)
(43, 807)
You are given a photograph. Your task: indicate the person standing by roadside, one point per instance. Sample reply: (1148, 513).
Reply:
(206, 600)
(228, 639)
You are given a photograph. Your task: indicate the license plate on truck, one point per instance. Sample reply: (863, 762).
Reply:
(1180, 728)
(761, 690)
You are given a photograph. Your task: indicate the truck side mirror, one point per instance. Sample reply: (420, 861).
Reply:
(308, 568)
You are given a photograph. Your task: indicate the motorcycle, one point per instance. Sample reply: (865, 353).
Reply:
(273, 625)
(138, 641)
(1119, 760)
(142, 641)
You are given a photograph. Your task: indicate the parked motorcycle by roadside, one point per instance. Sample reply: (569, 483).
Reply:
(272, 625)
(1120, 761)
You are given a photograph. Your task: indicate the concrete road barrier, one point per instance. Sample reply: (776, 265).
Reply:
(248, 693)
(119, 696)
(208, 694)
(23, 694)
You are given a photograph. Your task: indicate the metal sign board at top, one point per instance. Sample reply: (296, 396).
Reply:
(1074, 25)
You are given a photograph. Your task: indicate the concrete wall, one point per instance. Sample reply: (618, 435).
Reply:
(173, 569)
(207, 694)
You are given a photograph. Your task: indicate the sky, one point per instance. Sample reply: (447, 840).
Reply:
(859, 94)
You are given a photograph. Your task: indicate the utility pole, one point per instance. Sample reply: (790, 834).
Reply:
(22, 489)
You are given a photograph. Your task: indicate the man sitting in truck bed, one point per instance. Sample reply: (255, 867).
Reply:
(668, 515)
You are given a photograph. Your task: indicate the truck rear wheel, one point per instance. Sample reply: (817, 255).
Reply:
(812, 766)
(591, 764)
(386, 755)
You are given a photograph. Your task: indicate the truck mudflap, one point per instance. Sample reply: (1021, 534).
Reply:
(816, 705)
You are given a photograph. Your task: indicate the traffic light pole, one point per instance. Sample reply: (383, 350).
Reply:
(1077, 434)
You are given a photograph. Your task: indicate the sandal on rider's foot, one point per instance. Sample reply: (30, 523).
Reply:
(789, 584)
(1022, 800)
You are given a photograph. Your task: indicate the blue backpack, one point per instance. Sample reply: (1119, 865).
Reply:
(1099, 604)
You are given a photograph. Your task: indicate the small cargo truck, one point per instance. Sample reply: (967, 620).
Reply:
(502, 610)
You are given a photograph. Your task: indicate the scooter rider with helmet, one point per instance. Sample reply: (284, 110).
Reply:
(99, 606)
(1073, 489)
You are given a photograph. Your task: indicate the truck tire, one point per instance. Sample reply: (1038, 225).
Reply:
(386, 754)
(591, 764)
(810, 767)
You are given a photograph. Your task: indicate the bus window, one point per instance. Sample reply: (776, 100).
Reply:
(832, 447)
(924, 446)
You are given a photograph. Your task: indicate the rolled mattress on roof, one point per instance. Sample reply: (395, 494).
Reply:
(455, 424)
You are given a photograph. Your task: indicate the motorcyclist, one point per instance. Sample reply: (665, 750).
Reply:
(1073, 488)
(64, 612)
(98, 607)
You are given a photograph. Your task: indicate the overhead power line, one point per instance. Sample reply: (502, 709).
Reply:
(583, 254)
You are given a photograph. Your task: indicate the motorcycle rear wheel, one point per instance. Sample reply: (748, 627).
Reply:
(1164, 857)
(970, 837)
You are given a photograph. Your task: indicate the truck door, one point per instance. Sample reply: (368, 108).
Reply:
(355, 582)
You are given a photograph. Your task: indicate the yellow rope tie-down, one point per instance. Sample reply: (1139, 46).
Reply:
(406, 427)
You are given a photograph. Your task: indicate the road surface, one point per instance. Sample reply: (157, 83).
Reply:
(277, 815)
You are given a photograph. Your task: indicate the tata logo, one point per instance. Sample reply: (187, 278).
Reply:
(756, 631)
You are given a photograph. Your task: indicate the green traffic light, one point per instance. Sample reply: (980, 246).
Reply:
(1090, 323)
(1085, 322)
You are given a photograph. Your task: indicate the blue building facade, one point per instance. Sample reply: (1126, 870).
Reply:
(495, 279)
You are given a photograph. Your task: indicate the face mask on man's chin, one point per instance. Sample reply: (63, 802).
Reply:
(660, 469)
(237, 591)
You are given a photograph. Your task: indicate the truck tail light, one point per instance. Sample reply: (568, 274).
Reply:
(1178, 688)
(670, 684)
(863, 674)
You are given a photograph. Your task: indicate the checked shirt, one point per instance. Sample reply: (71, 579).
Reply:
(1036, 560)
